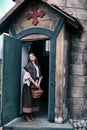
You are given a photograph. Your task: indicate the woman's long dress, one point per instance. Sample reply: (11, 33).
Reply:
(29, 104)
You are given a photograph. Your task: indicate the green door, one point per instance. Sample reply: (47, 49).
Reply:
(11, 79)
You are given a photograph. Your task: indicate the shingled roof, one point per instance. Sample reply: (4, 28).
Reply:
(20, 4)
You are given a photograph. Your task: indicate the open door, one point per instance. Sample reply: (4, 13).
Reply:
(11, 79)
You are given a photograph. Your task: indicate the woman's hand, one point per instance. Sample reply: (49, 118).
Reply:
(40, 79)
(37, 85)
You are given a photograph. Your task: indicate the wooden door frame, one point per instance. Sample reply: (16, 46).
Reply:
(52, 36)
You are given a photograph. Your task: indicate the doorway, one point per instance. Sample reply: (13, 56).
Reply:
(39, 48)
(13, 71)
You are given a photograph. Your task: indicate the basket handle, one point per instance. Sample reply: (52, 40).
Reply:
(40, 79)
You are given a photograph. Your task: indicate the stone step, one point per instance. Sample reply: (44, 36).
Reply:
(41, 123)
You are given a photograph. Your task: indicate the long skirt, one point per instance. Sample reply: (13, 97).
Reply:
(29, 104)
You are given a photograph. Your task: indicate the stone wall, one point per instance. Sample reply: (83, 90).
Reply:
(77, 89)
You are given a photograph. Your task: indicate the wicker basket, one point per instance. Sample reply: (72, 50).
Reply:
(37, 93)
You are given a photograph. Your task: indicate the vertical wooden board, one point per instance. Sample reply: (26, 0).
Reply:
(61, 77)
(51, 82)
(11, 79)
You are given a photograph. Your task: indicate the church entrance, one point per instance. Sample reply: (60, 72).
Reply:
(15, 57)
(41, 49)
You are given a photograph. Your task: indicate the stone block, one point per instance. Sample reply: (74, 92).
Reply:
(61, 2)
(79, 58)
(76, 58)
(85, 59)
(78, 92)
(73, 11)
(56, 2)
(86, 37)
(84, 24)
(85, 28)
(78, 104)
(78, 37)
(77, 69)
(78, 114)
(76, 3)
(82, 14)
(86, 79)
(78, 46)
(77, 80)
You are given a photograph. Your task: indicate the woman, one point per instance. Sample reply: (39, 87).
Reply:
(31, 80)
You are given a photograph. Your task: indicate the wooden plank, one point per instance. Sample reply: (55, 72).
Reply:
(52, 68)
(60, 80)
(11, 79)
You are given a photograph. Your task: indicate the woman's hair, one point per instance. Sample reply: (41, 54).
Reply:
(28, 66)
(36, 60)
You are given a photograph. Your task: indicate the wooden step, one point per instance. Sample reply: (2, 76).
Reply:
(41, 123)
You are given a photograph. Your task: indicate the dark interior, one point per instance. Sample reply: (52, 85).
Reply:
(38, 48)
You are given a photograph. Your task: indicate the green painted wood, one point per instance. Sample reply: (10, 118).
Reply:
(30, 31)
(12, 30)
(11, 79)
(51, 105)
(58, 27)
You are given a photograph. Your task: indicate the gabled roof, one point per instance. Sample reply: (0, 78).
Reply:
(8, 17)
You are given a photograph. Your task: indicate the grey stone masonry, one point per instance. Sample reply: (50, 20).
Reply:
(77, 88)
(79, 124)
(81, 92)
(82, 14)
(76, 80)
(80, 104)
(77, 84)
(76, 3)
(77, 69)
(61, 2)
(79, 47)
(78, 114)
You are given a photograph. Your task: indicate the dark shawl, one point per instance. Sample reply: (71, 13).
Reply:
(32, 70)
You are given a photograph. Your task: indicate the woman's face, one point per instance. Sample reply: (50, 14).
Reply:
(32, 57)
